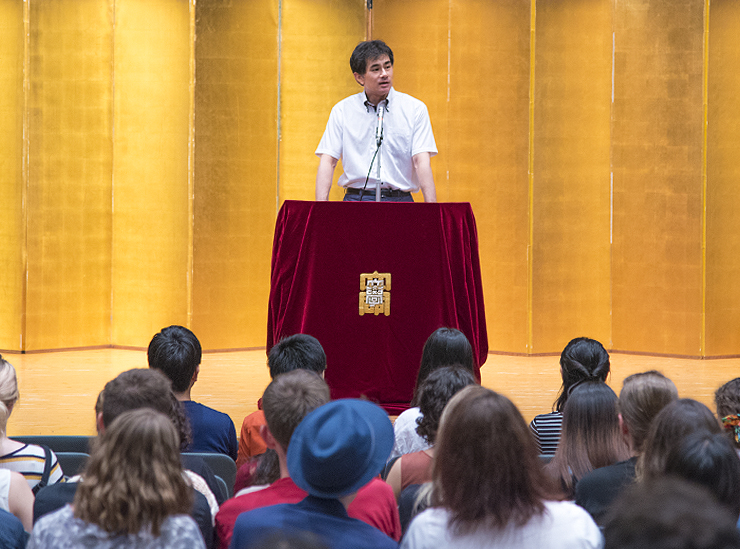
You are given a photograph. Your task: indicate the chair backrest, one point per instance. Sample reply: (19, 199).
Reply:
(59, 443)
(224, 489)
(72, 463)
(222, 466)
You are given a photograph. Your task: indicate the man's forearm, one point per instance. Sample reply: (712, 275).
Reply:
(324, 176)
(423, 167)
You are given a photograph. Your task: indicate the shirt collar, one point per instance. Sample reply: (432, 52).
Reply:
(387, 101)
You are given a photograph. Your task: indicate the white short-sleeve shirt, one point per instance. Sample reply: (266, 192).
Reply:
(350, 137)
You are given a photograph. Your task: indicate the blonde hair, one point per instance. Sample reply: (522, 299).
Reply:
(134, 478)
(8, 392)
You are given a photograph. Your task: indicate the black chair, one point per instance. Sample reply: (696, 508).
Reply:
(59, 443)
(72, 463)
(222, 466)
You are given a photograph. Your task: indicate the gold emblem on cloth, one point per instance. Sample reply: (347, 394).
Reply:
(375, 293)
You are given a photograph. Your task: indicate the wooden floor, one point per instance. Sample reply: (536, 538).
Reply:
(58, 390)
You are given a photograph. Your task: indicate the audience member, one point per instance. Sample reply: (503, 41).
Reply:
(591, 435)
(445, 347)
(176, 352)
(16, 497)
(710, 460)
(583, 359)
(336, 450)
(669, 513)
(12, 534)
(134, 494)
(489, 489)
(37, 464)
(132, 390)
(286, 401)
(259, 472)
(299, 351)
(727, 400)
(438, 388)
(643, 395)
(672, 424)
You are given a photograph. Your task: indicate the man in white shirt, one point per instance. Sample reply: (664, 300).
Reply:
(383, 137)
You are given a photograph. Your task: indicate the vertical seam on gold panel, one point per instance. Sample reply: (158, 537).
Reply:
(25, 169)
(611, 179)
(705, 101)
(191, 166)
(112, 6)
(279, 104)
(530, 246)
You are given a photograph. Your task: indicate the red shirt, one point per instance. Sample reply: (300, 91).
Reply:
(375, 504)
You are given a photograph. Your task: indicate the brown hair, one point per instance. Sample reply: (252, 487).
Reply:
(133, 479)
(591, 437)
(668, 429)
(486, 469)
(643, 395)
(289, 398)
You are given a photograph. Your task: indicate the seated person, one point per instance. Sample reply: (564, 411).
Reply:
(134, 493)
(37, 464)
(133, 390)
(16, 497)
(441, 385)
(727, 401)
(336, 450)
(287, 400)
(445, 347)
(176, 352)
(583, 359)
(299, 351)
(643, 395)
(12, 534)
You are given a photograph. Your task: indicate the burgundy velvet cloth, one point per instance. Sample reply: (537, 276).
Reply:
(431, 250)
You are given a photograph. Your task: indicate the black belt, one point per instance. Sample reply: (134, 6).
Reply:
(383, 192)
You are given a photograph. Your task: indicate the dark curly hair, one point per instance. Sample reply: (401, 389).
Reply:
(441, 385)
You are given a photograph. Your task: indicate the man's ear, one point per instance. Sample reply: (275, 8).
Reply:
(359, 78)
(99, 423)
(266, 435)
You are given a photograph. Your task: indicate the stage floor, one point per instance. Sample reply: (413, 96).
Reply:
(59, 389)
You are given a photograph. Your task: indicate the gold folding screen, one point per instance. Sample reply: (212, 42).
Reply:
(142, 168)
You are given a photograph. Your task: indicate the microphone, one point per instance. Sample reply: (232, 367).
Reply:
(378, 141)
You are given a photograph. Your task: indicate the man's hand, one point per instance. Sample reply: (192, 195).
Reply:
(324, 175)
(423, 167)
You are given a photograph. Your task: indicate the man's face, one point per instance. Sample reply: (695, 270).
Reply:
(378, 78)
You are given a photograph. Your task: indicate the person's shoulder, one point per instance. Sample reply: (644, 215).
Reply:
(568, 515)
(281, 491)
(208, 413)
(404, 98)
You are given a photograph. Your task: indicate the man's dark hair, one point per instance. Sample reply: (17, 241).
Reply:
(368, 51)
(669, 513)
(143, 388)
(297, 352)
(176, 352)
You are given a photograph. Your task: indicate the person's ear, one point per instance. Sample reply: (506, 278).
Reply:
(99, 423)
(266, 435)
(359, 78)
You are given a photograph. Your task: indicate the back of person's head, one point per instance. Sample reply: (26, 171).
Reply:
(8, 392)
(643, 395)
(368, 51)
(486, 469)
(445, 347)
(669, 513)
(143, 388)
(176, 352)
(289, 398)
(727, 400)
(583, 359)
(591, 437)
(441, 385)
(672, 424)
(296, 352)
(133, 479)
(711, 460)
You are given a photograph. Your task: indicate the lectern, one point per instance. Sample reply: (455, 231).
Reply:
(371, 281)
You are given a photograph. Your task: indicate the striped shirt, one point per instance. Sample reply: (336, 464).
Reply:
(546, 429)
(29, 460)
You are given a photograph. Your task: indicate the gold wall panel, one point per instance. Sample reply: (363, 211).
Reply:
(318, 37)
(69, 185)
(151, 223)
(571, 206)
(12, 215)
(723, 175)
(236, 144)
(657, 165)
(480, 121)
